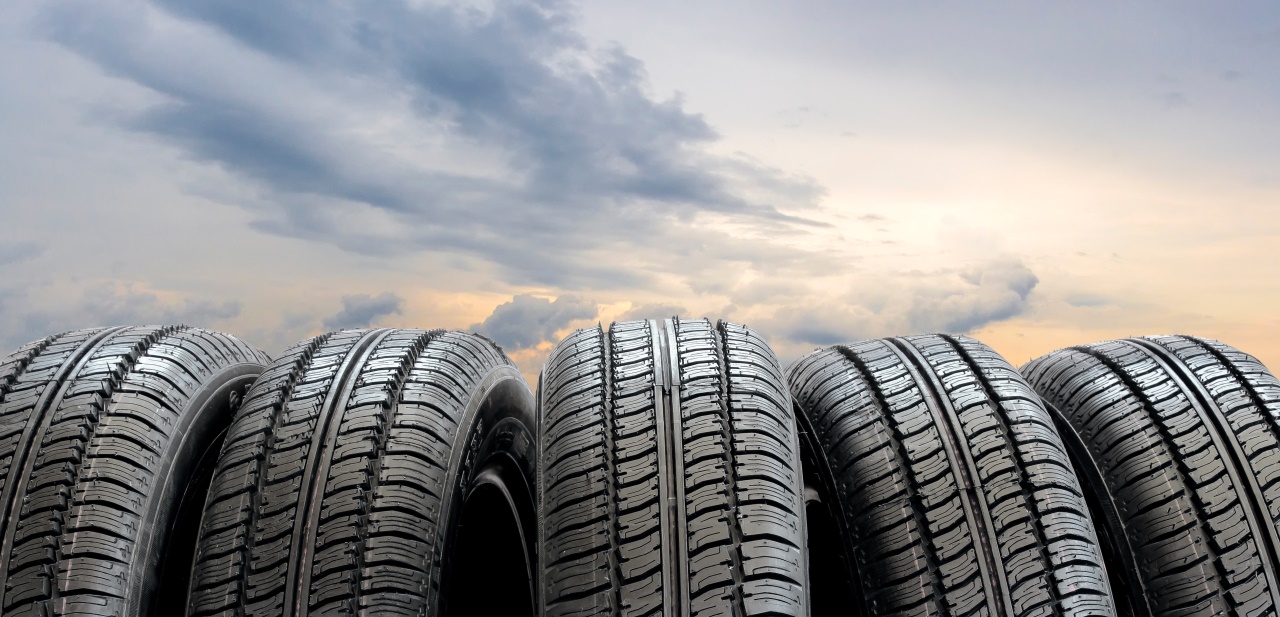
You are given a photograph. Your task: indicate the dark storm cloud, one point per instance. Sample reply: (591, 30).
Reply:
(821, 330)
(362, 310)
(587, 157)
(528, 320)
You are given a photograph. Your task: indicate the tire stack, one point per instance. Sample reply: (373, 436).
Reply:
(661, 467)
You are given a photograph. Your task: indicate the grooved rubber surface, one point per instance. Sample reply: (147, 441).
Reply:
(1186, 433)
(669, 475)
(90, 420)
(334, 477)
(953, 490)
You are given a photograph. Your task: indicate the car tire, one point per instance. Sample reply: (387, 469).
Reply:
(347, 482)
(942, 484)
(1183, 435)
(107, 439)
(670, 474)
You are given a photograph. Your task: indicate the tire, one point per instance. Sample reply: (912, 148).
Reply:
(669, 476)
(948, 487)
(347, 481)
(107, 437)
(1183, 435)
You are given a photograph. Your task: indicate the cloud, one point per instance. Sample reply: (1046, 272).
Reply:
(1174, 100)
(395, 127)
(950, 300)
(528, 320)
(110, 303)
(362, 310)
(795, 117)
(274, 337)
(990, 292)
(6, 297)
(769, 290)
(822, 326)
(654, 311)
(114, 304)
(19, 252)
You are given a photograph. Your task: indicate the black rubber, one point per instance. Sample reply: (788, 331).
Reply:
(1185, 436)
(341, 485)
(670, 475)
(950, 489)
(106, 439)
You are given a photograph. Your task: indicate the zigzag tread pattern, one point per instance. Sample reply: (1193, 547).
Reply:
(104, 432)
(902, 490)
(611, 403)
(1187, 503)
(376, 548)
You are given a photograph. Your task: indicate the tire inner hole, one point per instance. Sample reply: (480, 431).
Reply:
(490, 573)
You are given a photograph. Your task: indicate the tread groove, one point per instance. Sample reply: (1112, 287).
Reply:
(901, 456)
(611, 466)
(375, 464)
(965, 470)
(1037, 513)
(316, 468)
(1179, 468)
(1241, 475)
(285, 391)
(735, 525)
(120, 369)
(641, 491)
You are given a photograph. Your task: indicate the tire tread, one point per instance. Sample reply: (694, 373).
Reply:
(937, 448)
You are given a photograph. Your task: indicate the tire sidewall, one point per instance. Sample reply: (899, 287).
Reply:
(495, 446)
(203, 423)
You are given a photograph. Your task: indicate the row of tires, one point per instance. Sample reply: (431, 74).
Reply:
(663, 467)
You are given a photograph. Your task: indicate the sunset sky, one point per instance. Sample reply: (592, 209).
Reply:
(1036, 175)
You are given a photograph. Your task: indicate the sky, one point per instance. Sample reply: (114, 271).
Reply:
(1034, 175)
